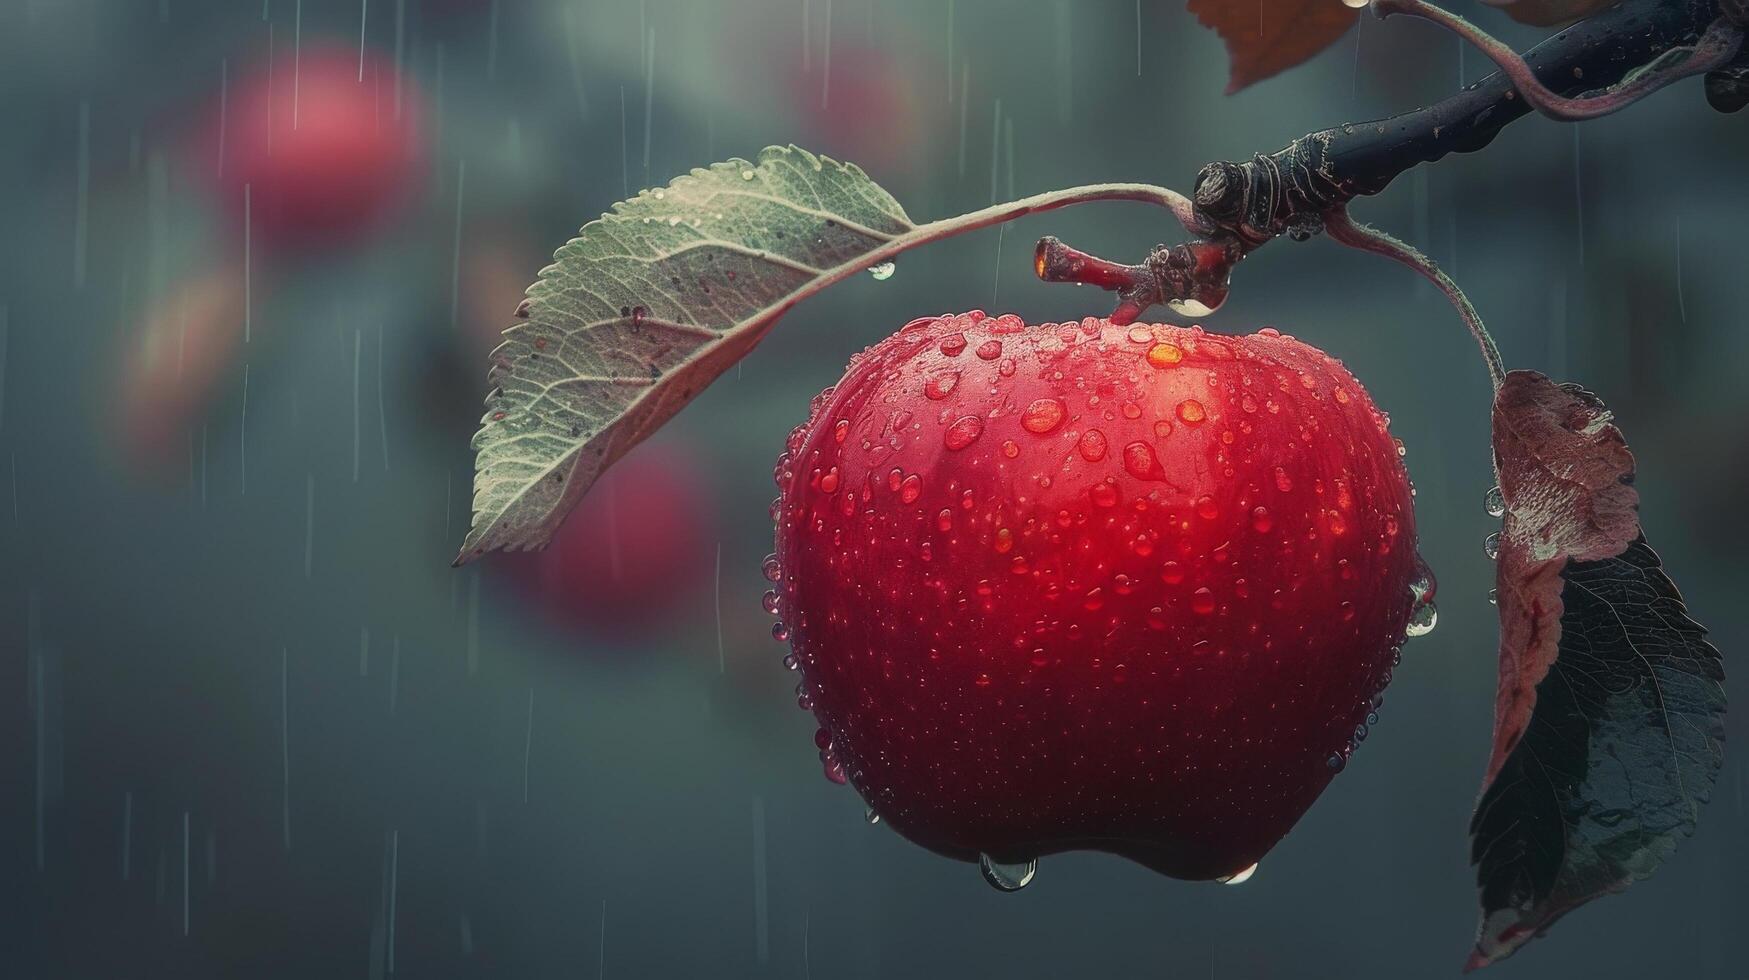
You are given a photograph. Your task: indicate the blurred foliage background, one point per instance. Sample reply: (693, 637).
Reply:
(253, 724)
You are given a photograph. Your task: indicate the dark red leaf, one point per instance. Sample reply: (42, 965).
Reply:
(1547, 13)
(1270, 36)
(1608, 722)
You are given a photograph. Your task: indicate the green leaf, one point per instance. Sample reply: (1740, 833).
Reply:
(644, 308)
(651, 302)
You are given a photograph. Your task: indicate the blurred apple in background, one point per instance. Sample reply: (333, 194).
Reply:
(327, 143)
(637, 557)
(878, 105)
(187, 341)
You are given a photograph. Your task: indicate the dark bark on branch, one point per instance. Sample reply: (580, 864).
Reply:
(1286, 191)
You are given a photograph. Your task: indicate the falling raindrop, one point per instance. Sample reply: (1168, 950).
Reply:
(1245, 875)
(722, 662)
(882, 271)
(761, 930)
(357, 344)
(3, 331)
(965, 83)
(81, 201)
(1007, 877)
(1495, 503)
(284, 750)
(455, 259)
(127, 836)
(1422, 620)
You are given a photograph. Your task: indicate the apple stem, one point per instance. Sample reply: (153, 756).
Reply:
(1195, 271)
(1714, 49)
(1345, 230)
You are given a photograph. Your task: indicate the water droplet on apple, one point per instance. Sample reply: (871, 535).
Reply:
(882, 271)
(1042, 416)
(1164, 355)
(1491, 546)
(964, 431)
(1495, 503)
(1423, 585)
(773, 570)
(941, 384)
(1422, 619)
(1092, 445)
(1202, 601)
(871, 816)
(1007, 877)
(780, 632)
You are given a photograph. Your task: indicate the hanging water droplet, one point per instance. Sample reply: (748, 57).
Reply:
(1189, 307)
(1007, 877)
(1491, 546)
(1422, 586)
(1493, 597)
(882, 271)
(871, 816)
(1336, 761)
(1240, 878)
(1422, 620)
(1495, 503)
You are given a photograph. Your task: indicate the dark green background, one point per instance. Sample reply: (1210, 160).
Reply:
(675, 821)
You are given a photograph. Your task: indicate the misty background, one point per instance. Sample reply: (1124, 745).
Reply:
(253, 724)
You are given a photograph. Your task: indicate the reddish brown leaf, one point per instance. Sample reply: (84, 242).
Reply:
(1547, 13)
(1566, 474)
(1270, 36)
(1609, 716)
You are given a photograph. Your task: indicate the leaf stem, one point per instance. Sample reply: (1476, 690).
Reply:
(1345, 230)
(1180, 206)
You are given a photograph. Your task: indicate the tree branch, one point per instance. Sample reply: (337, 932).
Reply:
(1596, 66)
(1265, 197)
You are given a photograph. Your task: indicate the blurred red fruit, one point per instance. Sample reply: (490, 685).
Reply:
(878, 106)
(188, 345)
(1084, 586)
(327, 158)
(637, 554)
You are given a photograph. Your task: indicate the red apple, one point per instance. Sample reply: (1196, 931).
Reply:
(1084, 586)
(637, 554)
(326, 155)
